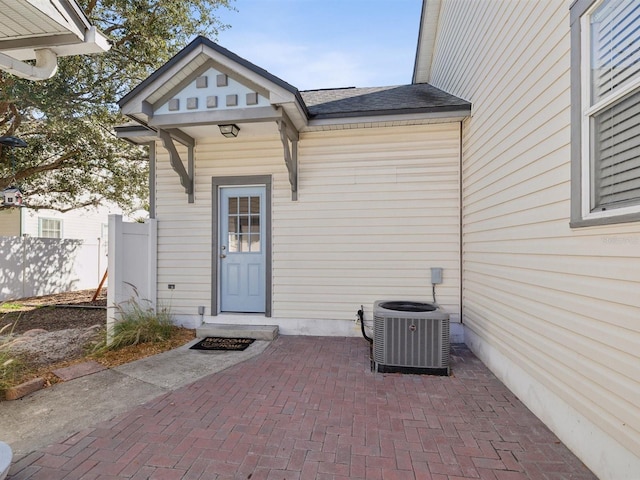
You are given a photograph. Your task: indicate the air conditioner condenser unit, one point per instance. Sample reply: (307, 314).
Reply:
(410, 337)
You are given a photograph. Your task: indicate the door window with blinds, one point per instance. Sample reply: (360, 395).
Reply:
(610, 97)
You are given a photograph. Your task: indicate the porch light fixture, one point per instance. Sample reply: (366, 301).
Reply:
(229, 131)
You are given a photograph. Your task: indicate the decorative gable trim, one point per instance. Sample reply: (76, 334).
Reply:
(199, 56)
(186, 177)
(290, 135)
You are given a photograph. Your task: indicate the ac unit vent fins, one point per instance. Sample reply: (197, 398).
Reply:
(410, 341)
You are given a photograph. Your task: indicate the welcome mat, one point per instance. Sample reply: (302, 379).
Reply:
(219, 343)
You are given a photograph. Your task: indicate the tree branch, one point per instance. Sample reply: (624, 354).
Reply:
(90, 6)
(50, 206)
(27, 172)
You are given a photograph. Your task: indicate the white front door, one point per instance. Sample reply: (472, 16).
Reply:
(242, 249)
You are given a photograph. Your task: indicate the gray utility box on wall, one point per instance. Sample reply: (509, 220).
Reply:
(410, 337)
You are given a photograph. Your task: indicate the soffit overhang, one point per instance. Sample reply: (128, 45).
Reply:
(399, 120)
(58, 25)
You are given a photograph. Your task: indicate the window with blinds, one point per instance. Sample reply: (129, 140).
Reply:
(613, 114)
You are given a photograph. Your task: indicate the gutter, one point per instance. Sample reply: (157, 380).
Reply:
(45, 67)
(46, 50)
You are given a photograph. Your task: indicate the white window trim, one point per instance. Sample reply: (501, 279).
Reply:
(59, 220)
(581, 148)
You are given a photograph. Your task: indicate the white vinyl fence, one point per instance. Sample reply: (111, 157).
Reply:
(132, 265)
(32, 266)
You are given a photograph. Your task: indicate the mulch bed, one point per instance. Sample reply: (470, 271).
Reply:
(219, 343)
(48, 312)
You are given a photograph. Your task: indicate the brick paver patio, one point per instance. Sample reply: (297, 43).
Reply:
(310, 408)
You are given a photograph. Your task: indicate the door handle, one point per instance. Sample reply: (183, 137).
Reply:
(222, 255)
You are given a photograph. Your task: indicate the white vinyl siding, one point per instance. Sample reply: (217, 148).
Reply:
(376, 208)
(560, 303)
(88, 224)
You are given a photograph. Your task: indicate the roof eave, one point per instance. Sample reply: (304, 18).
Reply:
(136, 134)
(75, 35)
(426, 40)
(437, 111)
(445, 115)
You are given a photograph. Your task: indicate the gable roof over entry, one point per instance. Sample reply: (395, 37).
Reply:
(157, 99)
(206, 84)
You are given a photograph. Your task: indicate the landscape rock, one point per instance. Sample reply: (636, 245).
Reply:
(51, 347)
(34, 332)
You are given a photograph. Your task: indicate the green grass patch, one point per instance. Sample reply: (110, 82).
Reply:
(11, 307)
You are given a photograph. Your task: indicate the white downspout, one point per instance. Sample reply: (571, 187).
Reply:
(45, 67)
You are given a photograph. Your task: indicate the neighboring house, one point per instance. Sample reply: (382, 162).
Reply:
(43, 30)
(46, 251)
(89, 223)
(322, 201)
(40, 30)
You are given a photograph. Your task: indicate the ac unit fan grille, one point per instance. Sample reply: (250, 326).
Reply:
(409, 342)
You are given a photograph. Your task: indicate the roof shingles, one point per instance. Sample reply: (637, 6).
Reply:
(350, 102)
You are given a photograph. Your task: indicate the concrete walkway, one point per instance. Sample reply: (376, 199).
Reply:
(309, 408)
(52, 414)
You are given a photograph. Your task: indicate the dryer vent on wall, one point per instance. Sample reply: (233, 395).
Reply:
(410, 337)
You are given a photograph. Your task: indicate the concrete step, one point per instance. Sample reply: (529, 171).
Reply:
(258, 332)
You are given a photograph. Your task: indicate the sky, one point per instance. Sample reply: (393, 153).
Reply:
(315, 44)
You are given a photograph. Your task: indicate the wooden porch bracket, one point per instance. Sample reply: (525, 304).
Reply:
(186, 177)
(289, 134)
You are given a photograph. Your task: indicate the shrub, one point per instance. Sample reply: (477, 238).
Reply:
(10, 367)
(138, 324)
